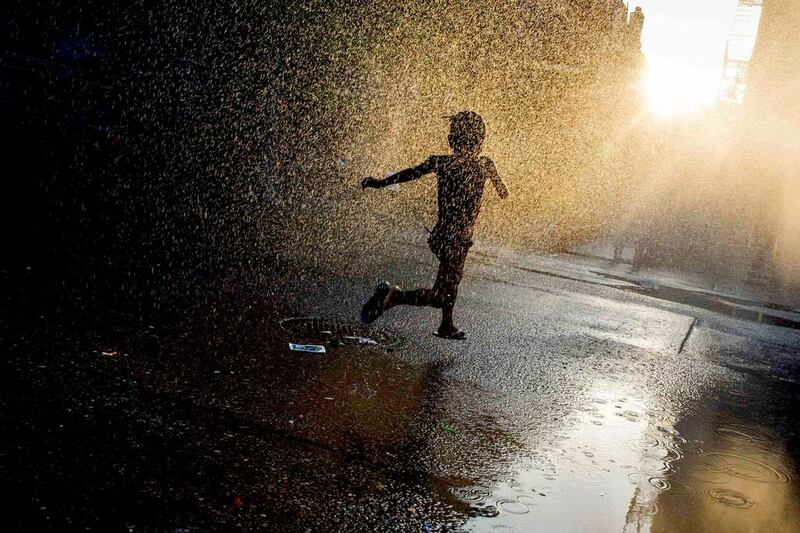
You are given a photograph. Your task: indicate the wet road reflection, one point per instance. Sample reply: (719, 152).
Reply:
(630, 463)
(612, 453)
(740, 476)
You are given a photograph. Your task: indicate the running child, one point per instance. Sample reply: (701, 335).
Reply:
(461, 178)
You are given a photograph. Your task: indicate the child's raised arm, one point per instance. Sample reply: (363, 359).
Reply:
(497, 181)
(403, 176)
(500, 186)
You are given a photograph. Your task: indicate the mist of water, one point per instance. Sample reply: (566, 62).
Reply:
(245, 130)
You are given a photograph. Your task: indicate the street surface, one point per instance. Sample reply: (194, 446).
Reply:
(585, 398)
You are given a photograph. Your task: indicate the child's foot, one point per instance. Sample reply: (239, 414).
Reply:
(379, 302)
(452, 333)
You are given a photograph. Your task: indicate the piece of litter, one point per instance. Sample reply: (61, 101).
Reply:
(310, 348)
(362, 340)
(449, 429)
(328, 398)
(111, 354)
(393, 187)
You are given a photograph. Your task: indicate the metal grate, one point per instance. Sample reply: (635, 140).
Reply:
(339, 331)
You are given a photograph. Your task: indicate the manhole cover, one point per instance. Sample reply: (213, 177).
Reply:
(343, 331)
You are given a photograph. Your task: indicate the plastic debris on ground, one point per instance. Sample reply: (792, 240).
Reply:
(310, 348)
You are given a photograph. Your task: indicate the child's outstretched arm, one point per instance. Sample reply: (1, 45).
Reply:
(500, 186)
(403, 176)
(497, 181)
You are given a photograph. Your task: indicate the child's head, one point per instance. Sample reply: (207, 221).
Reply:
(466, 132)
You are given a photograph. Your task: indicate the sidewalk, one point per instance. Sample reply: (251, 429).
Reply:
(687, 288)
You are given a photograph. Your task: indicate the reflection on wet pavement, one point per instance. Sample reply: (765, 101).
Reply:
(631, 464)
(618, 457)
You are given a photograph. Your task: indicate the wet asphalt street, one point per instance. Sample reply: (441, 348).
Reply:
(579, 402)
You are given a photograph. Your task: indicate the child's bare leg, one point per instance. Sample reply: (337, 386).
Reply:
(447, 325)
(387, 296)
(430, 298)
(418, 297)
(446, 293)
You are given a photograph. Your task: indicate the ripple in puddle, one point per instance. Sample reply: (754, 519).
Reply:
(664, 452)
(706, 471)
(484, 511)
(661, 483)
(745, 468)
(645, 509)
(512, 507)
(742, 434)
(671, 485)
(647, 441)
(475, 494)
(667, 431)
(526, 499)
(731, 498)
(629, 415)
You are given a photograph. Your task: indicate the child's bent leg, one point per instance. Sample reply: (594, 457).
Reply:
(418, 297)
(442, 295)
(424, 297)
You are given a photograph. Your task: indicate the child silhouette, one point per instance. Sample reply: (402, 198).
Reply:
(461, 178)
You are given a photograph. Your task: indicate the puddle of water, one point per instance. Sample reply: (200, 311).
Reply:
(740, 483)
(645, 469)
(587, 483)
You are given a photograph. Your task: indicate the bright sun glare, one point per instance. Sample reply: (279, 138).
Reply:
(684, 43)
(673, 88)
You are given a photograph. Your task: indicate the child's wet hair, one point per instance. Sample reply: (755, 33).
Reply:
(467, 131)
